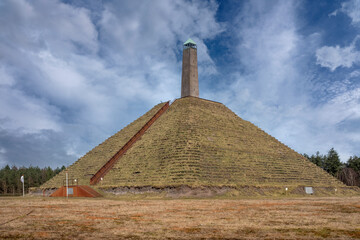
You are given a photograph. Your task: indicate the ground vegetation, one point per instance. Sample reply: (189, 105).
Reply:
(295, 218)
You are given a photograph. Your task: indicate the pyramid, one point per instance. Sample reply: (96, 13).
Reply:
(198, 144)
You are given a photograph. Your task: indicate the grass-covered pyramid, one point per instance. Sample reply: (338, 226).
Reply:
(198, 143)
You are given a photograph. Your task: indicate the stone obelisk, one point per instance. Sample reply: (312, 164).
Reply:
(189, 77)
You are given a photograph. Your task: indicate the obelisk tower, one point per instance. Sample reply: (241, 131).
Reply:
(189, 77)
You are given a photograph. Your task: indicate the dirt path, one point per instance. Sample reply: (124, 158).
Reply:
(305, 218)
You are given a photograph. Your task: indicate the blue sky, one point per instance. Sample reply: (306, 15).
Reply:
(72, 73)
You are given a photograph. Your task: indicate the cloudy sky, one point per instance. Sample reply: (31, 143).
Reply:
(72, 73)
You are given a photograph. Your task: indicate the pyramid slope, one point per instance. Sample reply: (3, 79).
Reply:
(203, 143)
(85, 167)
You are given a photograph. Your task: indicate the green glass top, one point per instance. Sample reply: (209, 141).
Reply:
(189, 41)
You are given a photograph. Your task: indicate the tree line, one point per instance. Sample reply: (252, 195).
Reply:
(348, 172)
(10, 183)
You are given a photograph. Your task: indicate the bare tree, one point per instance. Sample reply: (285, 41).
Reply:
(349, 176)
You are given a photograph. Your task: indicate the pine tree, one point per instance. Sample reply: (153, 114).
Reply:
(34, 176)
(332, 162)
(317, 159)
(354, 163)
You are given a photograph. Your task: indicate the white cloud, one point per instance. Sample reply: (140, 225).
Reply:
(334, 57)
(350, 8)
(318, 128)
(23, 114)
(268, 51)
(2, 150)
(342, 110)
(156, 30)
(354, 74)
(30, 29)
(345, 106)
(3, 159)
(5, 78)
(54, 48)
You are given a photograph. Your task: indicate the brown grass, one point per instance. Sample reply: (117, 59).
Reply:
(58, 218)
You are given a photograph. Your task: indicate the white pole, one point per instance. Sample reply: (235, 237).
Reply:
(22, 180)
(67, 186)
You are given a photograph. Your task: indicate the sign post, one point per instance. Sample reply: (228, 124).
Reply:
(22, 180)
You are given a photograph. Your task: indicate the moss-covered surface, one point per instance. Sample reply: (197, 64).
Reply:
(85, 167)
(203, 143)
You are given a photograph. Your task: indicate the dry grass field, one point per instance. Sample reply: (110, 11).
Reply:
(300, 218)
